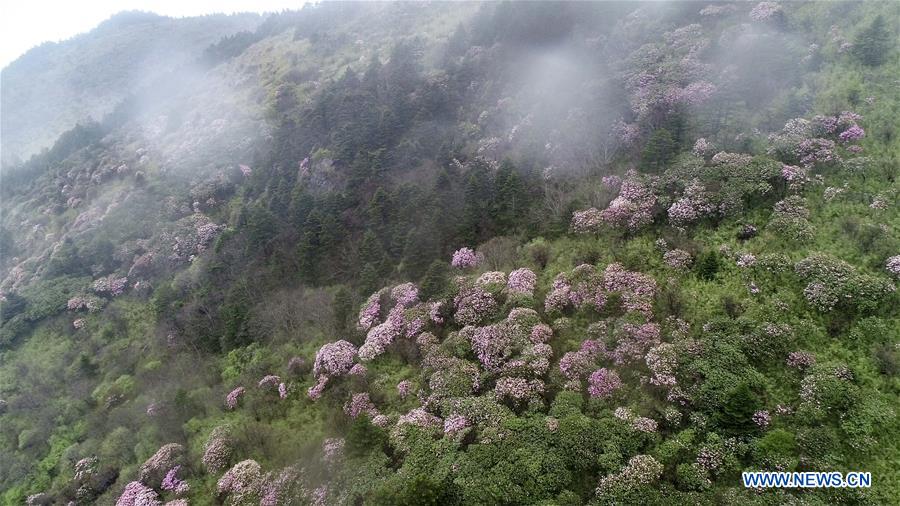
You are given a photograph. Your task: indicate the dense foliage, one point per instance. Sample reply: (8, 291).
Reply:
(512, 253)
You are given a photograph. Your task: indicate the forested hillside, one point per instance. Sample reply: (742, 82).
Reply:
(459, 253)
(56, 85)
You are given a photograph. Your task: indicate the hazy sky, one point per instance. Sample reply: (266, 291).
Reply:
(27, 23)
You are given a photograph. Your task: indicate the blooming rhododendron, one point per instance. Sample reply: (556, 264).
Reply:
(603, 383)
(334, 359)
(173, 483)
(406, 294)
(464, 258)
(521, 281)
(677, 259)
(242, 482)
(138, 494)
(218, 450)
(269, 381)
(640, 470)
(231, 400)
(893, 265)
(762, 418)
(155, 468)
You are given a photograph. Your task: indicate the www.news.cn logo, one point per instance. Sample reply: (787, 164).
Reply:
(834, 479)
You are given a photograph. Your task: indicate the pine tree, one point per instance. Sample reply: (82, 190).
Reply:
(873, 44)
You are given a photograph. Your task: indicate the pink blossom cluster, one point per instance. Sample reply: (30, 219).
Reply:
(795, 176)
(765, 11)
(640, 470)
(626, 133)
(418, 417)
(762, 418)
(473, 305)
(242, 482)
(89, 302)
(333, 449)
(282, 487)
(576, 364)
(588, 221)
(703, 147)
(746, 260)
(370, 313)
(518, 389)
(634, 341)
(852, 134)
(662, 361)
(677, 259)
(85, 469)
(360, 404)
(173, 483)
(695, 204)
(633, 208)
(154, 469)
(110, 285)
(138, 494)
(603, 383)
(269, 381)
(611, 182)
(893, 265)
(79, 323)
(800, 359)
(464, 258)
(231, 400)
(218, 450)
(454, 424)
(491, 279)
(246, 171)
(583, 286)
(382, 335)
(334, 359)
(637, 290)
(282, 391)
(358, 370)
(644, 424)
(491, 344)
(521, 281)
(406, 295)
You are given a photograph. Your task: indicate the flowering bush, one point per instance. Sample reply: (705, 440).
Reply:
(518, 389)
(155, 468)
(633, 208)
(334, 359)
(587, 221)
(522, 281)
(833, 282)
(406, 295)
(603, 383)
(269, 381)
(474, 305)
(333, 450)
(138, 494)
(110, 285)
(231, 400)
(677, 259)
(640, 470)
(893, 265)
(242, 482)
(464, 258)
(765, 11)
(218, 450)
(801, 359)
(173, 483)
(491, 280)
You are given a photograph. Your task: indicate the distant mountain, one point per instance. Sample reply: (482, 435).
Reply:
(53, 86)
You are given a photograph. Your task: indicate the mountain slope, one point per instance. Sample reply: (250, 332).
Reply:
(511, 253)
(56, 85)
